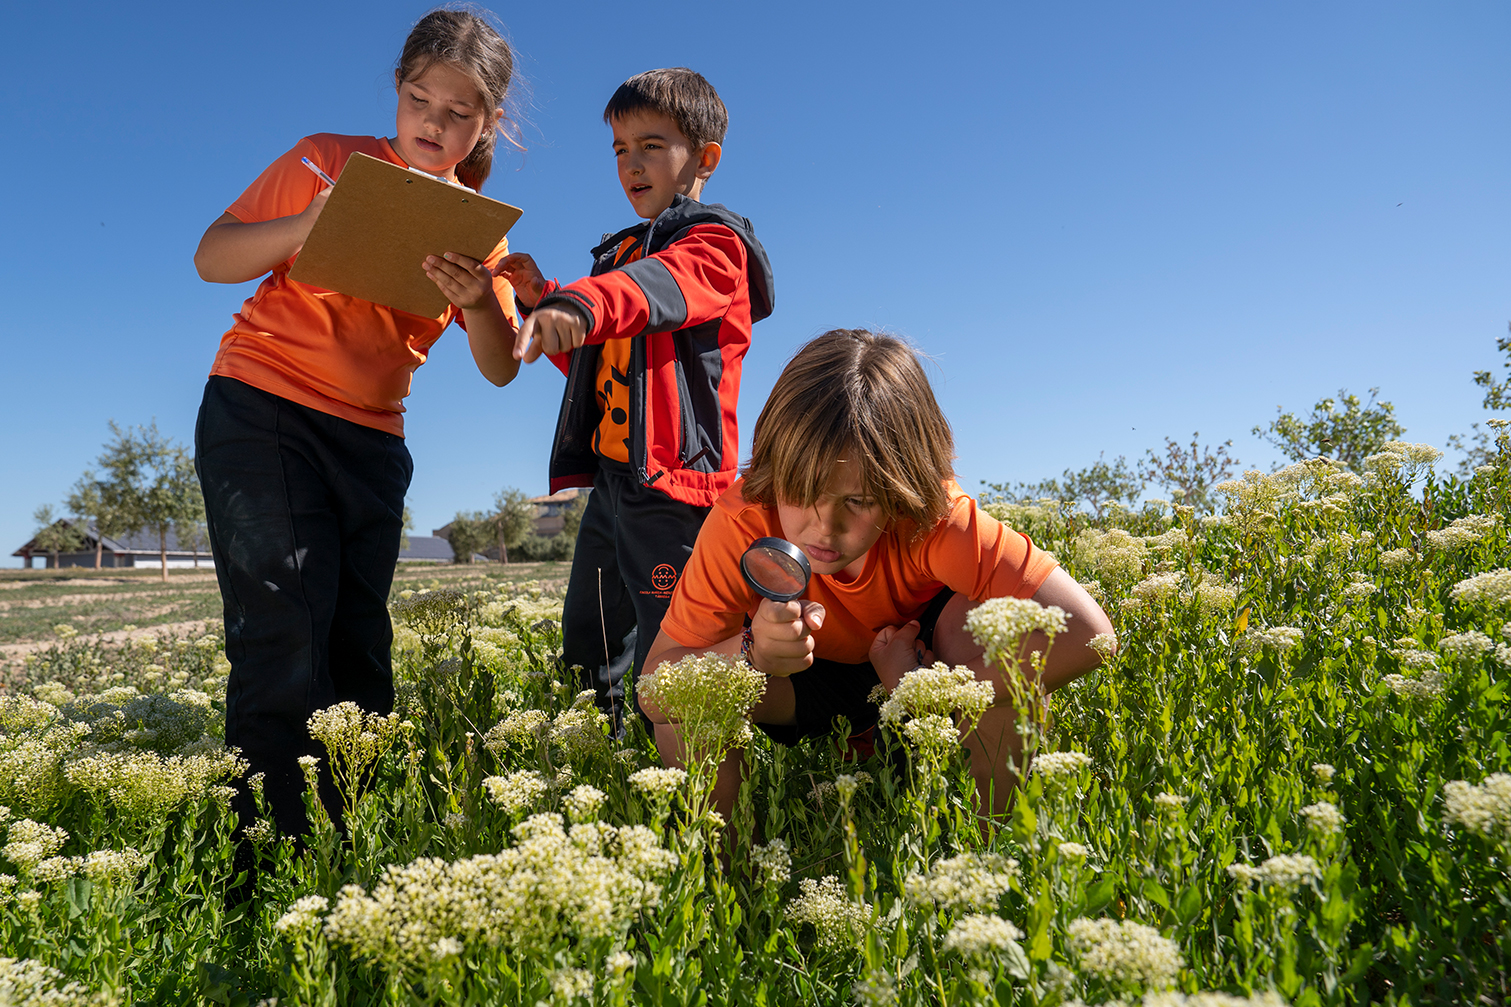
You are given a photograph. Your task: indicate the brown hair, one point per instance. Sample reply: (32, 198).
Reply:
(683, 94)
(856, 395)
(463, 39)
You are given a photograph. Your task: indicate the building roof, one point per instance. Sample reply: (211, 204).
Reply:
(428, 547)
(139, 542)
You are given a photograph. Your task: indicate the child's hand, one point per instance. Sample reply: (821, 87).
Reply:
(524, 276)
(466, 282)
(782, 636)
(896, 651)
(311, 213)
(551, 330)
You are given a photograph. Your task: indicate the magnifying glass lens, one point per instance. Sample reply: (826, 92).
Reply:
(775, 569)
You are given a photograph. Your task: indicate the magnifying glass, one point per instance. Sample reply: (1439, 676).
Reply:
(776, 569)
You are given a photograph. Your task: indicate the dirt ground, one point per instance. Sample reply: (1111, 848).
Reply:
(120, 604)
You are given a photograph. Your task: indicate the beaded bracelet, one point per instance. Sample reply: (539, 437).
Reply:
(747, 642)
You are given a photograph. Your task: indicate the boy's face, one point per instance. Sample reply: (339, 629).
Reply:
(656, 162)
(839, 529)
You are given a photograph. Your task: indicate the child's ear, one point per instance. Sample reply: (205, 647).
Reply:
(708, 159)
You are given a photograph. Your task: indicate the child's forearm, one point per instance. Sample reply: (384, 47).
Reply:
(232, 251)
(490, 335)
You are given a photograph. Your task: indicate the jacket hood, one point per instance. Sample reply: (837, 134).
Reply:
(685, 213)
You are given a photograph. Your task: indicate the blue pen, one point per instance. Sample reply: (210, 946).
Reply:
(312, 166)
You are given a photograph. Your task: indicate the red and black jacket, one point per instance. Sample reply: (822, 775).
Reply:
(688, 305)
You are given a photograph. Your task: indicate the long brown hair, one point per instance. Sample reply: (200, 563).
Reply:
(860, 396)
(463, 39)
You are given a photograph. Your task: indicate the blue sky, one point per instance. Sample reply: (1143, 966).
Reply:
(1106, 223)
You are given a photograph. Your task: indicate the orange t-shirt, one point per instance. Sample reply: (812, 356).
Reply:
(968, 551)
(341, 355)
(612, 437)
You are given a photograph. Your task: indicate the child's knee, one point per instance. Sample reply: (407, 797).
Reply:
(953, 643)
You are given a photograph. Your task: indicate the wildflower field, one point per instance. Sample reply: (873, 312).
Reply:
(1289, 784)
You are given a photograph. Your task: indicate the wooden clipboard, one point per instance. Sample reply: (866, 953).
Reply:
(380, 223)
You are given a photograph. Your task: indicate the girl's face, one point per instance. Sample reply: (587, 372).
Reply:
(839, 529)
(441, 115)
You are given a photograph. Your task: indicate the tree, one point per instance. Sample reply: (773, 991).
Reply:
(90, 500)
(1096, 486)
(151, 484)
(470, 532)
(54, 535)
(1350, 434)
(513, 519)
(405, 530)
(1189, 473)
(1497, 393)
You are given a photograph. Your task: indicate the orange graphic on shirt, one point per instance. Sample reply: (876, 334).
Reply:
(612, 437)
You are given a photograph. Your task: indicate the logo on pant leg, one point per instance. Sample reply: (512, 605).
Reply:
(664, 578)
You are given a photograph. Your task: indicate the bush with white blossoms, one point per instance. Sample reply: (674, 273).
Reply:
(999, 626)
(709, 696)
(1483, 808)
(553, 886)
(1323, 818)
(980, 934)
(826, 905)
(1124, 954)
(966, 881)
(518, 791)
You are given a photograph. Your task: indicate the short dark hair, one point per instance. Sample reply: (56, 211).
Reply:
(860, 396)
(683, 94)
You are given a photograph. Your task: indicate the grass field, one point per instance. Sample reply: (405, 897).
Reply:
(1289, 784)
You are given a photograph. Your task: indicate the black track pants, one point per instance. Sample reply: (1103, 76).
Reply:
(631, 548)
(304, 512)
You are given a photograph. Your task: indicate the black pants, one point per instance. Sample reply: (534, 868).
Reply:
(631, 547)
(304, 512)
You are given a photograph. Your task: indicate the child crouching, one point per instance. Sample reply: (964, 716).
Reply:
(852, 463)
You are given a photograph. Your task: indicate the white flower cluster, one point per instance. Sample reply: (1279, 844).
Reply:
(1394, 559)
(966, 881)
(1463, 532)
(1423, 689)
(29, 843)
(1324, 771)
(980, 934)
(582, 731)
(1169, 804)
(656, 783)
(1114, 555)
(583, 802)
(773, 863)
(1358, 588)
(1395, 455)
(584, 883)
(1280, 638)
(523, 727)
(1057, 767)
(25, 982)
(938, 691)
(1073, 851)
(999, 625)
(1286, 871)
(1490, 590)
(303, 916)
(353, 738)
(1124, 953)
(1466, 646)
(1105, 644)
(1158, 588)
(1485, 808)
(517, 791)
(709, 695)
(144, 786)
(827, 906)
(1324, 818)
(570, 983)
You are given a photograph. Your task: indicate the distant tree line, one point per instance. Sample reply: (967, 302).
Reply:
(508, 529)
(142, 481)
